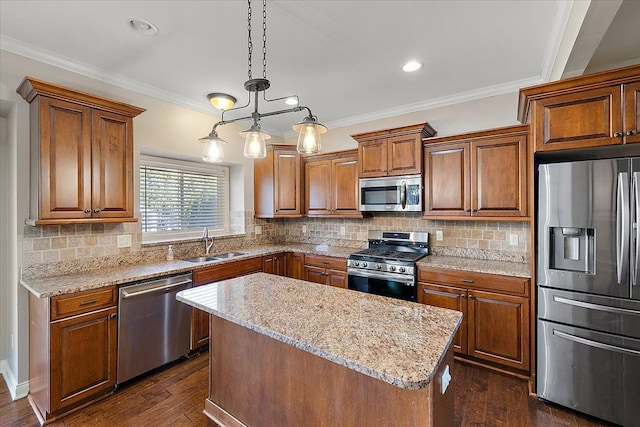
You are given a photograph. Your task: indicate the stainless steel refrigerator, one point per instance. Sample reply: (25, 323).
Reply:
(588, 277)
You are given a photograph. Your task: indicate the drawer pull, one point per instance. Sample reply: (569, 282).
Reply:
(467, 281)
(89, 302)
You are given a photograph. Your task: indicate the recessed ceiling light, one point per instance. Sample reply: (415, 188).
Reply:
(291, 100)
(411, 66)
(142, 26)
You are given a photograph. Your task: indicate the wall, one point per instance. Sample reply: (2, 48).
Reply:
(4, 240)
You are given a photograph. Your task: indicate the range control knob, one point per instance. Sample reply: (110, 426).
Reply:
(392, 268)
(402, 269)
(356, 263)
(378, 267)
(364, 264)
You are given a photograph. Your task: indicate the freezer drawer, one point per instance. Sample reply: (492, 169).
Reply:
(591, 372)
(606, 314)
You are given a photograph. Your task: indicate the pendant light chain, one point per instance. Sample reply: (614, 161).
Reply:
(250, 44)
(264, 39)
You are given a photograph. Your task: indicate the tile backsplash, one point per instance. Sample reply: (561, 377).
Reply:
(60, 249)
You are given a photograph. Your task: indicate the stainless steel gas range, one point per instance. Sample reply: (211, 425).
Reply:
(388, 266)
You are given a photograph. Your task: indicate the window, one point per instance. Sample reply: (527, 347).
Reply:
(178, 199)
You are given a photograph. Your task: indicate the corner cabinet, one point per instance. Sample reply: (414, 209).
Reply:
(495, 329)
(392, 152)
(481, 175)
(588, 111)
(73, 346)
(277, 182)
(331, 185)
(81, 156)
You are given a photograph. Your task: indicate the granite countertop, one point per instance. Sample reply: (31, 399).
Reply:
(399, 342)
(45, 287)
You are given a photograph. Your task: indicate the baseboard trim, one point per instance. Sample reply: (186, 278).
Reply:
(17, 390)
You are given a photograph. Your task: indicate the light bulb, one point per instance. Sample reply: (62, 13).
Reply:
(212, 152)
(254, 144)
(309, 139)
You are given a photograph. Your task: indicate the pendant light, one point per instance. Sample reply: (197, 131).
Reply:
(254, 146)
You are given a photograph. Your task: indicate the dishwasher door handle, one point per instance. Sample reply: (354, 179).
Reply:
(126, 294)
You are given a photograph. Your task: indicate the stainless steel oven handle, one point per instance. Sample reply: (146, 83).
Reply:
(126, 294)
(403, 194)
(596, 344)
(407, 280)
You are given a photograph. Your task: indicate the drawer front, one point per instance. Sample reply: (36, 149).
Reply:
(227, 271)
(471, 280)
(83, 302)
(326, 262)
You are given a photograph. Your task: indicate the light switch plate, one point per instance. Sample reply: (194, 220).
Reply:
(258, 230)
(124, 241)
(343, 231)
(439, 236)
(513, 239)
(304, 229)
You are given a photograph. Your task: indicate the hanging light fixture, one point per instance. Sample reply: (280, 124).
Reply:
(254, 146)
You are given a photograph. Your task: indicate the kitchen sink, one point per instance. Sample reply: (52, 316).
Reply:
(215, 257)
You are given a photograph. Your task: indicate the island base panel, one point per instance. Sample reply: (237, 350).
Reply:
(259, 381)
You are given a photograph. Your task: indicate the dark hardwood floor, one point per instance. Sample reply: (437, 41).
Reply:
(175, 397)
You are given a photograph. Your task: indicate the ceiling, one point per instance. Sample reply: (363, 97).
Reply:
(342, 58)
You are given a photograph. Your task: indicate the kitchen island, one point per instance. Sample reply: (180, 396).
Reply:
(287, 352)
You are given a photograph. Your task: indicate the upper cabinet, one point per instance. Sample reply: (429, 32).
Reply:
(588, 111)
(277, 183)
(392, 152)
(331, 184)
(81, 155)
(481, 175)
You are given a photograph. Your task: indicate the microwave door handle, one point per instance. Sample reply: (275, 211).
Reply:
(636, 228)
(403, 194)
(622, 228)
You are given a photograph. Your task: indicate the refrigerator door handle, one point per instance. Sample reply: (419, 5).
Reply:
(596, 344)
(636, 227)
(622, 228)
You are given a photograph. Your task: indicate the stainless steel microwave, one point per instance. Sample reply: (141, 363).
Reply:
(391, 194)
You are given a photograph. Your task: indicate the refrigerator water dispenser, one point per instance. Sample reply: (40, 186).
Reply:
(572, 249)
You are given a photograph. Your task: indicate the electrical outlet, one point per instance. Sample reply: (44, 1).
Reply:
(258, 230)
(439, 236)
(513, 239)
(304, 229)
(124, 241)
(343, 231)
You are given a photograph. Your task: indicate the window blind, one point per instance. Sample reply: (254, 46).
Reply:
(178, 198)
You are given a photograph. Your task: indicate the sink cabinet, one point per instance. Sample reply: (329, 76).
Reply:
(326, 270)
(495, 329)
(275, 264)
(594, 110)
(228, 270)
(73, 348)
(81, 156)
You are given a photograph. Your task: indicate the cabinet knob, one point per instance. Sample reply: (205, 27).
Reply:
(96, 210)
(114, 315)
(463, 296)
(87, 211)
(631, 132)
(466, 281)
(617, 134)
(471, 297)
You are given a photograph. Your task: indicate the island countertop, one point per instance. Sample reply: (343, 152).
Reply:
(399, 342)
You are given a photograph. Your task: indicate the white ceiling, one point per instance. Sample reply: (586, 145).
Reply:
(342, 58)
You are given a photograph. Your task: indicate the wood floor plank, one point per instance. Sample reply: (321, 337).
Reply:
(175, 397)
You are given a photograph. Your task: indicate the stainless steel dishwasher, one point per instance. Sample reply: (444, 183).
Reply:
(153, 327)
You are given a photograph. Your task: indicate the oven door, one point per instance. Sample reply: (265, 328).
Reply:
(391, 285)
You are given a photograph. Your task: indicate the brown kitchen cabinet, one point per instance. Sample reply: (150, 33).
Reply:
(495, 328)
(392, 152)
(275, 264)
(295, 265)
(81, 154)
(588, 111)
(331, 185)
(73, 350)
(326, 270)
(199, 318)
(278, 183)
(481, 175)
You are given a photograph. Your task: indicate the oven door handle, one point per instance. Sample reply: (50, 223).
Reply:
(403, 278)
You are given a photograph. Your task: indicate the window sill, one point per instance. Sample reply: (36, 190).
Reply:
(162, 242)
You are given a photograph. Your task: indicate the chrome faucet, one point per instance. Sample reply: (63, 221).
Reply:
(207, 243)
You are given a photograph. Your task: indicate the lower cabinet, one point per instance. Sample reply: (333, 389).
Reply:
(199, 318)
(326, 270)
(73, 350)
(295, 265)
(496, 314)
(275, 264)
